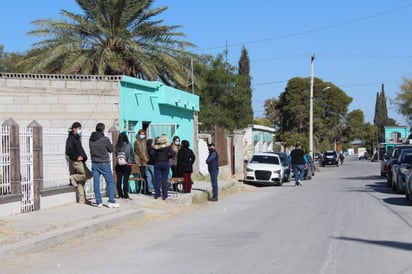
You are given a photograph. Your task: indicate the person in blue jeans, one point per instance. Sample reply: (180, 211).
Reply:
(298, 162)
(150, 167)
(161, 154)
(212, 162)
(100, 149)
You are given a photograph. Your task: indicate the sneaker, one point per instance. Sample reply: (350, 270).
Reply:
(113, 205)
(99, 205)
(72, 181)
(213, 200)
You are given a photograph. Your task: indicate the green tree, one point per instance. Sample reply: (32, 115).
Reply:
(329, 110)
(216, 95)
(242, 100)
(403, 99)
(112, 37)
(381, 118)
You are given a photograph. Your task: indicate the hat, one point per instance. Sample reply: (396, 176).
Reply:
(210, 145)
(297, 144)
(76, 125)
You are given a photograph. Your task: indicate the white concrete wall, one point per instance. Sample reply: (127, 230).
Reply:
(57, 101)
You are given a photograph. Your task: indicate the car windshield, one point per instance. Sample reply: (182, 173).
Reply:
(330, 153)
(407, 157)
(265, 159)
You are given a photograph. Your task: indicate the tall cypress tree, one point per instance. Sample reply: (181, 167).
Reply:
(243, 111)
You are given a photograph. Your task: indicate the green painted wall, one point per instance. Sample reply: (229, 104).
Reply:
(166, 110)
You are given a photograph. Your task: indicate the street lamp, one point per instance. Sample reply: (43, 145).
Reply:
(312, 63)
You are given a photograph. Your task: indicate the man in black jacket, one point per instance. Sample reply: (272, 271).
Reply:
(100, 149)
(77, 157)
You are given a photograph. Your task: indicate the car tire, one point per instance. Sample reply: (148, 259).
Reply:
(398, 188)
(410, 199)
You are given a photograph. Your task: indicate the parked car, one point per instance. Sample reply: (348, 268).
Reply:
(330, 157)
(384, 161)
(264, 169)
(287, 173)
(318, 156)
(310, 171)
(391, 158)
(400, 168)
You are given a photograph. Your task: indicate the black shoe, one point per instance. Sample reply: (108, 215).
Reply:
(213, 199)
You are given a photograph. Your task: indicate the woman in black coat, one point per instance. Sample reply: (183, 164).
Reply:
(185, 160)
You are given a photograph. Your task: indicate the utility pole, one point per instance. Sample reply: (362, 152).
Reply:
(312, 64)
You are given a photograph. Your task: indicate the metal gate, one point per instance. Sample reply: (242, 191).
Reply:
(26, 169)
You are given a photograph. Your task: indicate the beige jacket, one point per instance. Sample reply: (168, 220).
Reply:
(141, 156)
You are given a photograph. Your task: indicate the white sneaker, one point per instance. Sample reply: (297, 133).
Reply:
(99, 205)
(113, 205)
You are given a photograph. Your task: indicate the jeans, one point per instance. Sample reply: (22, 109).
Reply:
(161, 174)
(149, 177)
(213, 180)
(299, 172)
(105, 170)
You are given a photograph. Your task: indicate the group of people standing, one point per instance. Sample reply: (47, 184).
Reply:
(155, 159)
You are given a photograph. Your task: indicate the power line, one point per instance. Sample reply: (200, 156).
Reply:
(300, 33)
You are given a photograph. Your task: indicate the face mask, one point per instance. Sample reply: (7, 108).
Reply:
(79, 132)
(142, 136)
(177, 143)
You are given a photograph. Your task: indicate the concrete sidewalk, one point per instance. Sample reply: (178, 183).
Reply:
(44, 228)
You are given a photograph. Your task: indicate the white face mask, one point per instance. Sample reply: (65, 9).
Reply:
(142, 136)
(177, 143)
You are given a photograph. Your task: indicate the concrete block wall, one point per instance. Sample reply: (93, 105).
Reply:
(57, 101)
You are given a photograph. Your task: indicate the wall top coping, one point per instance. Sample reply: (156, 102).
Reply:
(30, 76)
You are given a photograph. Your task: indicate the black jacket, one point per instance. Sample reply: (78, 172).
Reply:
(162, 153)
(74, 148)
(100, 148)
(185, 160)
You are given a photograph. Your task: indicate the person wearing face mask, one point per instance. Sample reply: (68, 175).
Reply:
(212, 162)
(141, 156)
(79, 172)
(173, 161)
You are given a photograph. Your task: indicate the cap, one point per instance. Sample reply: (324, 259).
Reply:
(211, 144)
(76, 125)
(297, 144)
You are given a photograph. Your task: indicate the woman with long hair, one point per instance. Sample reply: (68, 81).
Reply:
(123, 146)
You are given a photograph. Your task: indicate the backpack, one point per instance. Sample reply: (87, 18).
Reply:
(121, 157)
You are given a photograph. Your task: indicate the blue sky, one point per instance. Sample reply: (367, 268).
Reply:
(358, 44)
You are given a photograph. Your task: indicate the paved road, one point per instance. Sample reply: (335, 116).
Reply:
(344, 220)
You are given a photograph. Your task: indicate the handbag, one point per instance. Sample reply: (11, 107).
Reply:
(121, 159)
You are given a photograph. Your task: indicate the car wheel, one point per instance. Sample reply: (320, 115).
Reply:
(398, 188)
(280, 183)
(388, 180)
(410, 199)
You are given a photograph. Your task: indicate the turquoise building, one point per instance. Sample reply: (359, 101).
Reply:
(157, 108)
(395, 135)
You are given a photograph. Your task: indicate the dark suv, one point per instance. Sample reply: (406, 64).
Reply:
(329, 157)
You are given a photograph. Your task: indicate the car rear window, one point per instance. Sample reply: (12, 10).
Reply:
(263, 159)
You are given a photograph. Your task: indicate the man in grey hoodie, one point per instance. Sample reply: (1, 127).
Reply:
(100, 149)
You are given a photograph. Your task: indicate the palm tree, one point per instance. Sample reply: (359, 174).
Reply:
(112, 37)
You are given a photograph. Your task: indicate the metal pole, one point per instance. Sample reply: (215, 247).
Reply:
(312, 63)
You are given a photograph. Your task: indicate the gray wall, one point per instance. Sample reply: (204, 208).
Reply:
(56, 101)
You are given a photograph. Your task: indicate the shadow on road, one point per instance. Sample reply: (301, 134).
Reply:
(373, 177)
(392, 244)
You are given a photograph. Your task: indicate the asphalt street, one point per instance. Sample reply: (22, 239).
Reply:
(344, 220)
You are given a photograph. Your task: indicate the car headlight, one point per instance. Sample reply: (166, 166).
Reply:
(276, 171)
(248, 169)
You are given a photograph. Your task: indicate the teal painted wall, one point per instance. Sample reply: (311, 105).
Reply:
(393, 134)
(166, 109)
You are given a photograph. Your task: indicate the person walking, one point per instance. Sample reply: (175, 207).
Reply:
(79, 172)
(185, 160)
(161, 154)
(141, 157)
(298, 161)
(123, 149)
(212, 162)
(100, 149)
